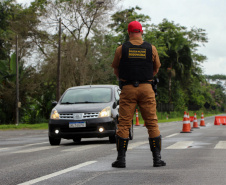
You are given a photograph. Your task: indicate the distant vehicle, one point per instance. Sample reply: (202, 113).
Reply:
(85, 112)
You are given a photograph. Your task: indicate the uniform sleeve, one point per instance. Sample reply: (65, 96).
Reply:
(117, 58)
(155, 59)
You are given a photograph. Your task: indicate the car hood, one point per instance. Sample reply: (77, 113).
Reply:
(88, 107)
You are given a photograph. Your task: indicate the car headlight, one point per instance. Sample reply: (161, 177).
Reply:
(54, 114)
(106, 112)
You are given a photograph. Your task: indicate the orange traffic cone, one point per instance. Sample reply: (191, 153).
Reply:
(202, 122)
(137, 119)
(186, 124)
(188, 117)
(195, 122)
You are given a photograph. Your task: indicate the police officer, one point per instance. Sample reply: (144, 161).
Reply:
(135, 63)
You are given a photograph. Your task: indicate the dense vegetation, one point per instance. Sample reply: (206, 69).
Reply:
(89, 37)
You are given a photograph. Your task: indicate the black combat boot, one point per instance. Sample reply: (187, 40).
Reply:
(121, 145)
(155, 145)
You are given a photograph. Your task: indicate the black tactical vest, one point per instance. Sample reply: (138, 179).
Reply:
(136, 62)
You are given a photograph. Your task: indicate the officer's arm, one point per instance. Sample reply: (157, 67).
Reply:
(116, 61)
(155, 72)
(116, 72)
(156, 61)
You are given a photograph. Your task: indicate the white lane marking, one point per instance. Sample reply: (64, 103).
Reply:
(57, 173)
(35, 144)
(3, 149)
(135, 128)
(23, 146)
(180, 145)
(133, 145)
(220, 145)
(80, 148)
(171, 135)
(36, 149)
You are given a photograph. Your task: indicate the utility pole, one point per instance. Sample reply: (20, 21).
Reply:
(59, 65)
(17, 83)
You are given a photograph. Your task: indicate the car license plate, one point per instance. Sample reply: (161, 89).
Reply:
(77, 124)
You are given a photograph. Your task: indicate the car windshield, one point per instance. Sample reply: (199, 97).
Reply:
(87, 95)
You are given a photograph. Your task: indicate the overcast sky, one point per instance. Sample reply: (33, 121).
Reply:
(207, 14)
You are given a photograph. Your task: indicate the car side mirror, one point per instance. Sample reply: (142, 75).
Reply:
(54, 103)
(115, 104)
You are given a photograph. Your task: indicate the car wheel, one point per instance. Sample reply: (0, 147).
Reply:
(131, 132)
(112, 139)
(77, 140)
(54, 141)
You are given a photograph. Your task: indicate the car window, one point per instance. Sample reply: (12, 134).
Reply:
(87, 95)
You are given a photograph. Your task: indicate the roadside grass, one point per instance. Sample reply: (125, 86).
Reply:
(38, 126)
(42, 126)
(162, 117)
(141, 121)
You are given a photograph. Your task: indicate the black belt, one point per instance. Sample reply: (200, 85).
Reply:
(134, 83)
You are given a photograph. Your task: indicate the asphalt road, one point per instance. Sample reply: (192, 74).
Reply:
(197, 158)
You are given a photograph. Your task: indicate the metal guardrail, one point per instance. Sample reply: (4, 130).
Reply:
(165, 107)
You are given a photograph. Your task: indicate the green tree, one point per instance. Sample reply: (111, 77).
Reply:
(177, 49)
(16, 21)
(121, 20)
(81, 21)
